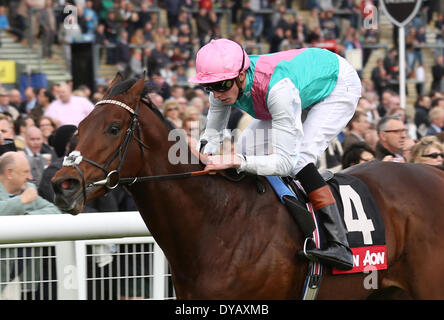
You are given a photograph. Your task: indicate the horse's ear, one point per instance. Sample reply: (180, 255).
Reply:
(117, 78)
(137, 88)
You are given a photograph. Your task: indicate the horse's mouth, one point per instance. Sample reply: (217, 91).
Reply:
(68, 195)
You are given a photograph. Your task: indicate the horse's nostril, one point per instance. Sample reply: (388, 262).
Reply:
(66, 184)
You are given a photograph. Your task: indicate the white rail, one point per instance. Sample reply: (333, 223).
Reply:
(63, 227)
(85, 229)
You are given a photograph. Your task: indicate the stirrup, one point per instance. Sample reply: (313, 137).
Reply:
(304, 250)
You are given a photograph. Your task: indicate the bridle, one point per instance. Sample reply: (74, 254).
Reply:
(112, 178)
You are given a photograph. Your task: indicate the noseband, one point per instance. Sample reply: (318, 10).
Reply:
(112, 178)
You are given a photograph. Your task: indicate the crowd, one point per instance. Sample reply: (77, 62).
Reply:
(36, 127)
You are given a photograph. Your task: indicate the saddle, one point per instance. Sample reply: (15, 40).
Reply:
(359, 212)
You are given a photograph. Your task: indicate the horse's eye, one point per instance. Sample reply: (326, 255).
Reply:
(113, 129)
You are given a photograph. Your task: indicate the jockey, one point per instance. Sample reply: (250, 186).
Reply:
(278, 90)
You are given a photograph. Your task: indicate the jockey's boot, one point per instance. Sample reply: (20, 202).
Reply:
(337, 252)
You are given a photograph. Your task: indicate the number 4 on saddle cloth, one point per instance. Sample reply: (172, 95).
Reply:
(359, 212)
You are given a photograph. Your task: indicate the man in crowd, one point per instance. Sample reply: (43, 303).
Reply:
(392, 135)
(68, 109)
(19, 197)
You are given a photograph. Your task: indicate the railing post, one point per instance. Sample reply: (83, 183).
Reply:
(67, 274)
(158, 273)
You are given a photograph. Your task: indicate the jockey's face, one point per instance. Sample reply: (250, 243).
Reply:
(229, 97)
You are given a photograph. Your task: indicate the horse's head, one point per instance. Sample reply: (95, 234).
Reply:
(109, 146)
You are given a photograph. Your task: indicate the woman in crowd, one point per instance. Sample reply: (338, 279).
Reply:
(428, 150)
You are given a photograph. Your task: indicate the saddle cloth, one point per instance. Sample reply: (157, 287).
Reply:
(361, 217)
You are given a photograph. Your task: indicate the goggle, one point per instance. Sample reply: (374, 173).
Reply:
(225, 85)
(220, 86)
(434, 155)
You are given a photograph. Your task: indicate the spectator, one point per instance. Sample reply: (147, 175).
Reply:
(411, 127)
(205, 26)
(192, 130)
(112, 27)
(439, 31)
(15, 98)
(313, 21)
(438, 102)
(392, 135)
(369, 109)
(68, 109)
(380, 77)
(371, 136)
(47, 126)
(438, 74)
(19, 197)
(34, 142)
(148, 32)
(329, 25)
(276, 40)
(160, 85)
(6, 128)
(47, 24)
(356, 129)
(172, 8)
(158, 58)
(391, 64)
(4, 22)
(123, 52)
(394, 102)
(422, 107)
(30, 101)
(134, 68)
(171, 113)
(100, 39)
(385, 98)
(420, 77)
(144, 15)
(44, 99)
(5, 107)
(6, 136)
(20, 126)
(331, 158)
(90, 16)
(60, 142)
(428, 150)
(407, 150)
(436, 118)
(412, 55)
(357, 153)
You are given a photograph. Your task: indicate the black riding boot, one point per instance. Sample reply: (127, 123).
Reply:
(337, 252)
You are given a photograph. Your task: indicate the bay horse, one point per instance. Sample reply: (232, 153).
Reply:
(225, 240)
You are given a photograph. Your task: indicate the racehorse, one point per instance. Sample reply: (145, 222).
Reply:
(226, 240)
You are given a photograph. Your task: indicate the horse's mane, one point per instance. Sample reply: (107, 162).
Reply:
(125, 85)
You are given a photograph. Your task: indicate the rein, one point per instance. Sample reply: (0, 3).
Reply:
(112, 178)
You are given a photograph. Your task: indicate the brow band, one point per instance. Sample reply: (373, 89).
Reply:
(120, 104)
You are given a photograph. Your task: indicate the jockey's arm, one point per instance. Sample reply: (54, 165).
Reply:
(217, 120)
(284, 105)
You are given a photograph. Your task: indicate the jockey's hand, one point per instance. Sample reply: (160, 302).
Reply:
(222, 162)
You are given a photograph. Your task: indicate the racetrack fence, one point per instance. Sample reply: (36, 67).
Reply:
(94, 256)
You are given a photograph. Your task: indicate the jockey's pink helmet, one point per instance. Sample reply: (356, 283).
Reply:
(220, 60)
